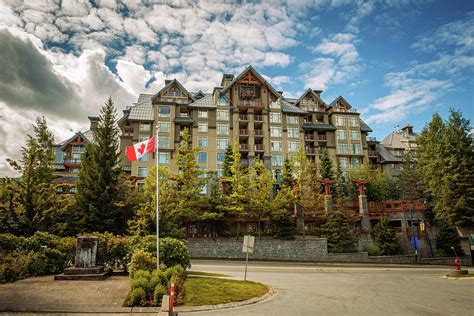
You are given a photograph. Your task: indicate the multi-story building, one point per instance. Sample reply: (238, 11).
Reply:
(245, 109)
(392, 148)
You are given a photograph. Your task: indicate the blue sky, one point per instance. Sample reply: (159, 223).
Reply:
(397, 62)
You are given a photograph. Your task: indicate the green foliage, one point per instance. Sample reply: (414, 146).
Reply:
(174, 252)
(141, 260)
(138, 297)
(386, 238)
(326, 168)
(446, 238)
(98, 194)
(372, 250)
(158, 294)
(410, 181)
(226, 168)
(284, 229)
(338, 231)
(378, 185)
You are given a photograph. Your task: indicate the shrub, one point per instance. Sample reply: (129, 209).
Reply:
(160, 291)
(161, 277)
(9, 242)
(138, 297)
(386, 238)
(372, 250)
(173, 252)
(141, 260)
(14, 266)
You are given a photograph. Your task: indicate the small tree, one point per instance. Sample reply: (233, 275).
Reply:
(386, 238)
(226, 168)
(447, 237)
(326, 166)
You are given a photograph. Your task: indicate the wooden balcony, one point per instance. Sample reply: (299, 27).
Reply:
(244, 147)
(243, 132)
(322, 138)
(258, 118)
(311, 151)
(72, 162)
(250, 103)
(259, 147)
(309, 137)
(243, 117)
(258, 132)
(372, 153)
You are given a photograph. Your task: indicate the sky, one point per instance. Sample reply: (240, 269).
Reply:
(395, 61)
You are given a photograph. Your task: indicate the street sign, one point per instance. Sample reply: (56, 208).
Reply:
(249, 242)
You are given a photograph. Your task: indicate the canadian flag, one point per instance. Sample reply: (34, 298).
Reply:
(139, 150)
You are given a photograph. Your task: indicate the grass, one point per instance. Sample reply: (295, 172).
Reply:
(200, 273)
(210, 291)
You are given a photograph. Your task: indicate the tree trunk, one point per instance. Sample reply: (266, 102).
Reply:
(299, 219)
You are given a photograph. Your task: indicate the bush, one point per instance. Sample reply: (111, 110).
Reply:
(138, 297)
(15, 266)
(372, 250)
(174, 252)
(141, 260)
(160, 291)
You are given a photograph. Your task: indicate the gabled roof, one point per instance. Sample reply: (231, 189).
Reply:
(143, 97)
(386, 155)
(255, 72)
(313, 93)
(205, 102)
(81, 134)
(198, 95)
(340, 98)
(142, 111)
(287, 107)
(364, 127)
(167, 86)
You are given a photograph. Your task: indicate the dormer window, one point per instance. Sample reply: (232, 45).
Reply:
(174, 92)
(247, 92)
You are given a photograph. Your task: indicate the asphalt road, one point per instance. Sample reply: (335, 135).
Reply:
(312, 289)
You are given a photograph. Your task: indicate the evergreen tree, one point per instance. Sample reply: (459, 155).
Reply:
(98, 187)
(410, 182)
(386, 238)
(34, 196)
(226, 169)
(211, 217)
(338, 230)
(287, 173)
(326, 167)
(447, 237)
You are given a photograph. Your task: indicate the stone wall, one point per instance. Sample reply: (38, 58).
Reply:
(308, 249)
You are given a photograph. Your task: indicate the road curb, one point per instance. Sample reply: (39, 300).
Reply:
(267, 296)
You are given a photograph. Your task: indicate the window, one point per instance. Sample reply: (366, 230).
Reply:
(293, 132)
(353, 121)
(163, 127)
(202, 157)
(143, 138)
(222, 143)
(144, 127)
(202, 114)
(59, 155)
(220, 172)
(77, 156)
(222, 101)
(202, 127)
(78, 148)
(355, 135)
(343, 149)
(275, 131)
(274, 105)
(163, 142)
(355, 162)
(356, 149)
(222, 115)
(144, 158)
(142, 171)
(344, 162)
(292, 119)
(174, 91)
(275, 117)
(202, 142)
(341, 134)
(277, 161)
(220, 158)
(398, 153)
(222, 129)
(163, 158)
(293, 146)
(340, 121)
(276, 145)
(164, 111)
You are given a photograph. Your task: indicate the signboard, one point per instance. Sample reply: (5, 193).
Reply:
(248, 246)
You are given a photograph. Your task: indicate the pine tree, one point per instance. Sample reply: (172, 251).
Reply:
(98, 187)
(447, 237)
(386, 238)
(410, 182)
(287, 173)
(226, 169)
(326, 167)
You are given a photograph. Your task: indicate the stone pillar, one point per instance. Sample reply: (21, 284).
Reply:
(364, 211)
(328, 204)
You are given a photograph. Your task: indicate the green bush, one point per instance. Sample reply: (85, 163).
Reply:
(160, 291)
(15, 266)
(372, 250)
(141, 260)
(9, 242)
(174, 252)
(138, 297)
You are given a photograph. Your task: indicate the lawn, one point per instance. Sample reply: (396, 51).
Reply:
(211, 291)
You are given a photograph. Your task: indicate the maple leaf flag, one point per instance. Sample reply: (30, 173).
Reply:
(139, 150)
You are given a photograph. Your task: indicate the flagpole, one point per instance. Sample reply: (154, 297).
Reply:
(156, 199)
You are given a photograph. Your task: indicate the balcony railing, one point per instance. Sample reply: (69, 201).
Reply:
(258, 118)
(309, 137)
(72, 161)
(250, 103)
(258, 132)
(243, 132)
(243, 117)
(372, 153)
(322, 137)
(259, 147)
(371, 139)
(311, 150)
(244, 147)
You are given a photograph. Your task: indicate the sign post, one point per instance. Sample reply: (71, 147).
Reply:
(248, 246)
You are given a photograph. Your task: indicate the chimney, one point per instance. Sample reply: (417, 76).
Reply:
(407, 129)
(94, 120)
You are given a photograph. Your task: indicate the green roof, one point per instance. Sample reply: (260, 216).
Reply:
(318, 126)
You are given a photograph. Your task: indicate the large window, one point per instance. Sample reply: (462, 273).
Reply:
(275, 117)
(222, 115)
(276, 145)
(292, 119)
(222, 129)
(202, 127)
(355, 162)
(163, 142)
(293, 146)
(293, 132)
(275, 131)
(163, 158)
(344, 162)
(202, 142)
(277, 161)
(343, 149)
(341, 135)
(202, 114)
(142, 171)
(202, 157)
(355, 135)
(164, 111)
(222, 143)
(144, 158)
(220, 158)
(144, 127)
(356, 149)
(274, 105)
(353, 121)
(340, 121)
(59, 155)
(163, 127)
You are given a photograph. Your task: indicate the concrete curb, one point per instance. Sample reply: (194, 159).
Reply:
(269, 295)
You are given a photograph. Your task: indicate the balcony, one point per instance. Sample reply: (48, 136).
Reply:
(371, 139)
(243, 117)
(258, 132)
(322, 138)
(258, 118)
(372, 153)
(309, 137)
(243, 132)
(72, 162)
(244, 147)
(311, 151)
(259, 147)
(250, 103)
